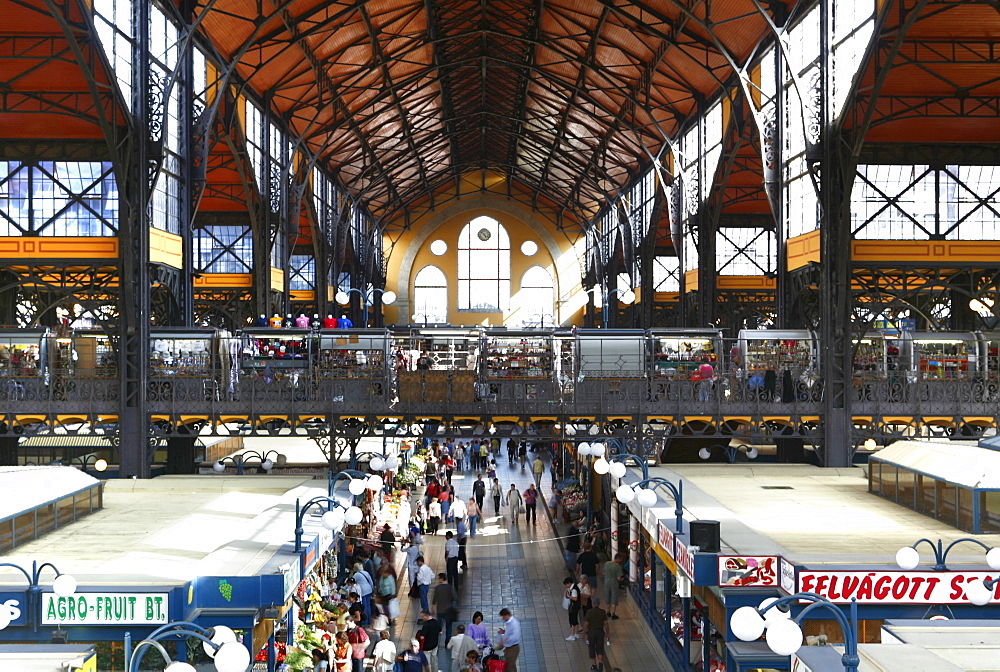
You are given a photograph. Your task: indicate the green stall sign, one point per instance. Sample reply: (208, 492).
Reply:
(105, 609)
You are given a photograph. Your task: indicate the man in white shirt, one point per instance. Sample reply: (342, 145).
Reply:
(458, 509)
(460, 645)
(425, 576)
(451, 550)
(510, 639)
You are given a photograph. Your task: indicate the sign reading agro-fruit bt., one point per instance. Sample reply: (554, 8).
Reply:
(893, 587)
(105, 609)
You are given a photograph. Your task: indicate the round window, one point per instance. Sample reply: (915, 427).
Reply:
(528, 248)
(484, 234)
(439, 247)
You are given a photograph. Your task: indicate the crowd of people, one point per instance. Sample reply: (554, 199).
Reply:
(373, 587)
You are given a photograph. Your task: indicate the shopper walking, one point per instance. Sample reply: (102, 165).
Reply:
(384, 653)
(597, 629)
(537, 469)
(479, 490)
(412, 552)
(612, 571)
(530, 500)
(460, 645)
(365, 586)
(571, 592)
(513, 501)
(484, 455)
(385, 588)
(510, 639)
(497, 493)
(473, 509)
(572, 549)
(459, 510)
(360, 642)
(413, 659)
(430, 632)
(451, 558)
(388, 541)
(586, 595)
(342, 653)
(425, 576)
(321, 660)
(433, 516)
(587, 562)
(445, 498)
(478, 631)
(443, 603)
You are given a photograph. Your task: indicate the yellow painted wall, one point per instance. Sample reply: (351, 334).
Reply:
(521, 225)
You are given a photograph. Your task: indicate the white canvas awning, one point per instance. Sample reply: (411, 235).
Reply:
(963, 465)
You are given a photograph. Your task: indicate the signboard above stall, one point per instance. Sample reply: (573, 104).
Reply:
(748, 570)
(894, 327)
(892, 587)
(786, 575)
(677, 550)
(105, 609)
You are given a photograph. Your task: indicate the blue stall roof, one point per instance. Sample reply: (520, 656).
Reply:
(990, 442)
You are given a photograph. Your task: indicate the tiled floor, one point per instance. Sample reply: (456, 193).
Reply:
(521, 567)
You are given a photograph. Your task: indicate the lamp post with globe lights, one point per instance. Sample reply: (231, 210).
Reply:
(352, 475)
(63, 585)
(343, 297)
(616, 465)
(240, 461)
(384, 464)
(91, 461)
(220, 644)
(784, 633)
(336, 516)
(646, 496)
(978, 592)
(908, 557)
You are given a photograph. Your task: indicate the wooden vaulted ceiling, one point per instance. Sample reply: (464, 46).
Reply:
(564, 101)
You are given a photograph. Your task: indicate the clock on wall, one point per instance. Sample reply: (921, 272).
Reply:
(484, 234)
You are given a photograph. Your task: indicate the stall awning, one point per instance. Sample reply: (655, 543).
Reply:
(27, 488)
(968, 466)
(99, 441)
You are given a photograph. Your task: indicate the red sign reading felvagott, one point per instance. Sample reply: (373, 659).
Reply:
(888, 587)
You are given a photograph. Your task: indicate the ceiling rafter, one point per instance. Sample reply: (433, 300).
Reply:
(324, 81)
(387, 77)
(564, 101)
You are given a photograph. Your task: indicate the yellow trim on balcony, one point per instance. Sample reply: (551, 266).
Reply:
(58, 247)
(223, 280)
(801, 250)
(166, 248)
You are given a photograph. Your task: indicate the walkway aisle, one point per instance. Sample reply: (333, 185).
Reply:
(521, 567)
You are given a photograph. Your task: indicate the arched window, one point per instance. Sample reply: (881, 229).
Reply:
(484, 266)
(535, 301)
(430, 296)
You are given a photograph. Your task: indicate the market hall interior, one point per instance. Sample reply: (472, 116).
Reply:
(646, 238)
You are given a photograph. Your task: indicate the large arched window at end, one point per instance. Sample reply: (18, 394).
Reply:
(536, 300)
(484, 266)
(430, 296)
